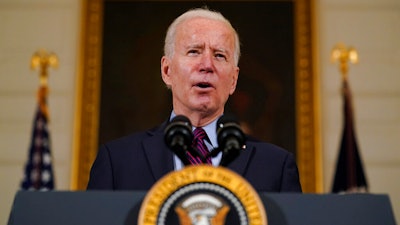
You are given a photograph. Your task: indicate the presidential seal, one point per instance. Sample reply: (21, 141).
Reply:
(202, 195)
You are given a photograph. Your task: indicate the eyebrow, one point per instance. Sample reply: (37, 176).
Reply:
(223, 50)
(194, 46)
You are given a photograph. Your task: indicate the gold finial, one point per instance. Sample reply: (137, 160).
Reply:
(43, 60)
(343, 54)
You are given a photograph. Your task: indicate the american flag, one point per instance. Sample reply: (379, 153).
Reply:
(38, 169)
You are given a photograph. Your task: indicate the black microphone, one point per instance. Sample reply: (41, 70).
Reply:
(231, 139)
(178, 136)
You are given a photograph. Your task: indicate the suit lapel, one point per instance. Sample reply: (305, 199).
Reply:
(159, 156)
(240, 164)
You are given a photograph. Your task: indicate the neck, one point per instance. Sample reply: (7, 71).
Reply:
(200, 119)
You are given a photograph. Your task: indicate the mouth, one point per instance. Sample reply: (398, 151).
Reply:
(203, 85)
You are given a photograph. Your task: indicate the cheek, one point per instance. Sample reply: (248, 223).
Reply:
(181, 68)
(182, 75)
(179, 80)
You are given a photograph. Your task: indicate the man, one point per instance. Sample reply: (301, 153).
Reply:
(200, 66)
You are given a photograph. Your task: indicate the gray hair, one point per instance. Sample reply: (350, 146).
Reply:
(194, 13)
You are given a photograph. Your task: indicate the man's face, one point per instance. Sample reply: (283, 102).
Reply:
(202, 72)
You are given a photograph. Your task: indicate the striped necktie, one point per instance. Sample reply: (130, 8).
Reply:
(198, 143)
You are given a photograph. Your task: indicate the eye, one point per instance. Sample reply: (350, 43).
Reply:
(220, 56)
(193, 52)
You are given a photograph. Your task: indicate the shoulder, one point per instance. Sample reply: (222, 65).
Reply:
(136, 137)
(267, 150)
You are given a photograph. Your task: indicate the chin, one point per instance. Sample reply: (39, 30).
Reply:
(202, 107)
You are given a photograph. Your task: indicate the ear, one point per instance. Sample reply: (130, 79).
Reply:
(234, 80)
(165, 70)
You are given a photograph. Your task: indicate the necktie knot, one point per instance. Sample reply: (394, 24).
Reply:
(199, 145)
(199, 134)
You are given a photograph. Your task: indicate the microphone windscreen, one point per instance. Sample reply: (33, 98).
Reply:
(179, 126)
(230, 137)
(180, 118)
(178, 136)
(227, 120)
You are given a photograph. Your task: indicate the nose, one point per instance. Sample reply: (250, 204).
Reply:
(207, 63)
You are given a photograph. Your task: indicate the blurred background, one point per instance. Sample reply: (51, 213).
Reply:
(372, 27)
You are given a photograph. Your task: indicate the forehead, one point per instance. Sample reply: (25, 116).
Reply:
(200, 27)
(199, 21)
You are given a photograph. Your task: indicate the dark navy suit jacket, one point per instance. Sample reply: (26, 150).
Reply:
(137, 161)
